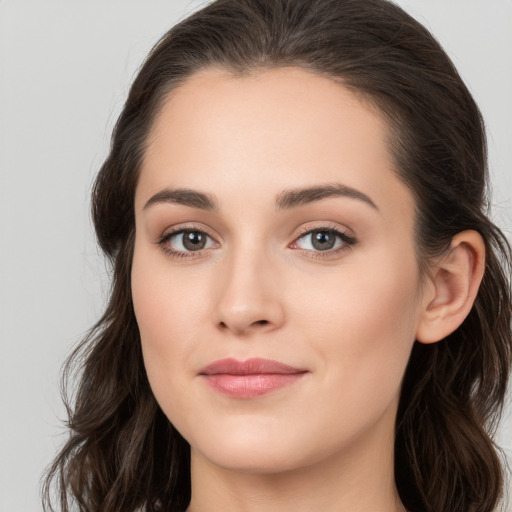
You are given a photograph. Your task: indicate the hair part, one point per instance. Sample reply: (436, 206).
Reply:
(123, 454)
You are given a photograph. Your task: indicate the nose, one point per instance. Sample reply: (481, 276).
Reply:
(250, 294)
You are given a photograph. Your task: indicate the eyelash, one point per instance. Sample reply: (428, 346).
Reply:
(347, 241)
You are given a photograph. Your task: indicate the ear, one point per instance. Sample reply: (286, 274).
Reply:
(453, 285)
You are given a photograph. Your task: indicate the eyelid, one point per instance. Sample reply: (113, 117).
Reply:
(168, 234)
(348, 240)
(184, 227)
(343, 231)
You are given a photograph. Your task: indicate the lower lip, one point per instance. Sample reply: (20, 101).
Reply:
(250, 386)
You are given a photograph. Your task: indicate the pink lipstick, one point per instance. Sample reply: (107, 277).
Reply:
(251, 378)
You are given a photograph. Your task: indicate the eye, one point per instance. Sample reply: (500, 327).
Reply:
(324, 240)
(179, 243)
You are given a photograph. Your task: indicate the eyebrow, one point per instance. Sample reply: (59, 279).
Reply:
(184, 196)
(300, 196)
(285, 200)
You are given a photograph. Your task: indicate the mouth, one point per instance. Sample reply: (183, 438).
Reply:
(250, 378)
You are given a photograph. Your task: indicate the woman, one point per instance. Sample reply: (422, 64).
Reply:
(310, 308)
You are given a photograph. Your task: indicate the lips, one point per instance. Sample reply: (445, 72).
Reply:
(251, 378)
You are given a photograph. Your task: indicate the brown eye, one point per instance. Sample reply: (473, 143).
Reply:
(323, 240)
(193, 240)
(186, 241)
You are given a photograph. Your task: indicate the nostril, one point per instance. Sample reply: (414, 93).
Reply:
(243, 326)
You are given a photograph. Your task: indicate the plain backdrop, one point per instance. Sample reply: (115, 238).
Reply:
(65, 69)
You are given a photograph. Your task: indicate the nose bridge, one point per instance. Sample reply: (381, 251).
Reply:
(248, 292)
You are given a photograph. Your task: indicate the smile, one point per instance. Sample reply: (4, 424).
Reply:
(251, 378)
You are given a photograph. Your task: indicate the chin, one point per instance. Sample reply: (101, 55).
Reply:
(255, 458)
(259, 449)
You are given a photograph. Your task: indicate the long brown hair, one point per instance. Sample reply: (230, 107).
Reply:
(123, 454)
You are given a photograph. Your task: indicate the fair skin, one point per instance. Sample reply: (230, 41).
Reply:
(344, 308)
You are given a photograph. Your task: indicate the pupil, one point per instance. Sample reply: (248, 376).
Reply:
(323, 240)
(194, 241)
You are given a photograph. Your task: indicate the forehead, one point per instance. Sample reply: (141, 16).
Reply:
(214, 100)
(278, 128)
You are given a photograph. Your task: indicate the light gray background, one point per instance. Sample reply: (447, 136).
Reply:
(65, 68)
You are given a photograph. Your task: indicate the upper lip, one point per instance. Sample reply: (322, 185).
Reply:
(253, 366)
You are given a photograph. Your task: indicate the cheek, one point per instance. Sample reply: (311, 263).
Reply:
(363, 323)
(166, 310)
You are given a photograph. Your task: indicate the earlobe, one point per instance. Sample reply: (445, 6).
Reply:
(453, 286)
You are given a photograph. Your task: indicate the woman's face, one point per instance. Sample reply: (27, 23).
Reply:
(270, 225)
